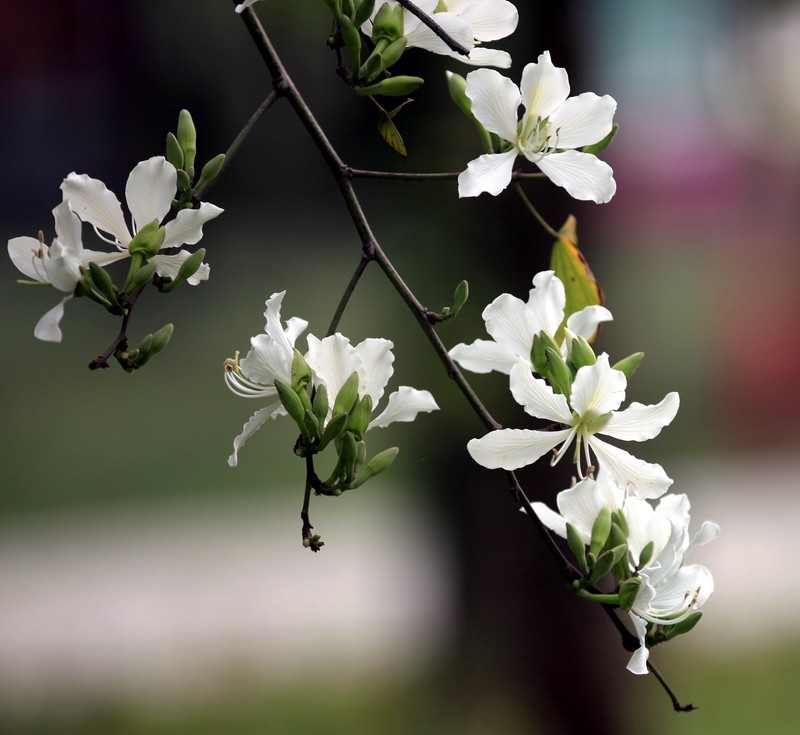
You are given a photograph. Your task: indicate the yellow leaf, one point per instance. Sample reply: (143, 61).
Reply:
(573, 270)
(391, 135)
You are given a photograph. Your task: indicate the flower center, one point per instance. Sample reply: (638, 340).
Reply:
(535, 140)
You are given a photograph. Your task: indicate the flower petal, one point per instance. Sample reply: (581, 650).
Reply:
(638, 662)
(583, 175)
(187, 227)
(376, 367)
(552, 520)
(68, 229)
(544, 87)
(94, 203)
(150, 190)
(25, 254)
(639, 422)
(597, 389)
(644, 479)
(495, 102)
(584, 323)
(419, 35)
(490, 20)
(511, 449)
(510, 323)
(63, 267)
(404, 405)
(481, 56)
(332, 360)
(580, 506)
(254, 423)
(484, 356)
(582, 120)
(489, 173)
(47, 329)
(537, 397)
(169, 265)
(546, 302)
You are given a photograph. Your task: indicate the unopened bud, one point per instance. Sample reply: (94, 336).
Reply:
(577, 547)
(363, 11)
(210, 172)
(347, 395)
(148, 240)
(460, 297)
(388, 23)
(301, 372)
(601, 567)
(349, 456)
(292, 403)
(393, 86)
(581, 354)
(558, 373)
(187, 138)
(142, 277)
(103, 282)
(672, 631)
(333, 430)
(600, 530)
(379, 463)
(359, 417)
(174, 152)
(352, 39)
(628, 591)
(628, 365)
(320, 404)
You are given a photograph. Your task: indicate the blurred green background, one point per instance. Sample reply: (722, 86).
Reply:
(146, 587)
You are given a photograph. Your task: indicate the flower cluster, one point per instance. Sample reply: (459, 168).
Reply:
(331, 393)
(580, 393)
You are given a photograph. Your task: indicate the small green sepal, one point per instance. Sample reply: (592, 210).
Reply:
(600, 146)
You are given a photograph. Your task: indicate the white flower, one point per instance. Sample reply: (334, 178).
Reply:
(597, 392)
(670, 590)
(469, 22)
(269, 359)
(552, 126)
(512, 324)
(149, 192)
(59, 265)
(333, 359)
(246, 4)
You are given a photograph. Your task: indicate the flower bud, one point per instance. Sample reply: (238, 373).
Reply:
(581, 354)
(388, 23)
(188, 268)
(347, 396)
(333, 430)
(103, 281)
(576, 546)
(174, 152)
(349, 456)
(210, 172)
(147, 242)
(601, 567)
(312, 425)
(142, 277)
(628, 365)
(320, 404)
(600, 530)
(301, 373)
(161, 339)
(460, 297)
(646, 554)
(379, 463)
(541, 342)
(672, 631)
(558, 373)
(628, 591)
(352, 39)
(293, 405)
(360, 414)
(392, 53)
(600, 146)
(392, 86)
(187, 138)
(364, 9)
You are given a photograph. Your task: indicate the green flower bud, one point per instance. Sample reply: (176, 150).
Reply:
(392, 53)
(161, 338)
(103, 281)
(388, 23)
(184, 183)
(293, 405)
(352, 39)
(601, 567)
(457, 87)
(576, 546)
(600, 531)
(188, 268)
(301, 372)
(379, 463)
(147, 242)
(460, 297)
(359, 417)
(142, 277)
(392, 86)
(348, 10)
(363, 11)
(541, 342)
(333, 430)
(174, 152)
(210, 172)
(349, 456)
(187, 138)
(672, 631)
(362, 454)
(581, 354)
(628, 591)
(320, 404)
(347, 396)
(646, 554)
(371, 67)
(620, 553)
(558, 373)
(312, 425)
(628, 365)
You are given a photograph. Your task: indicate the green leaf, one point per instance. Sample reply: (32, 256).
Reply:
(600, 146)
(391, 135)
(573, 270)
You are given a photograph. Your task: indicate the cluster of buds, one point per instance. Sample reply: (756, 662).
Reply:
(629, 553)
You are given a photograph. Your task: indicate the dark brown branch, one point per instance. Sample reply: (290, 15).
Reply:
(435, 27)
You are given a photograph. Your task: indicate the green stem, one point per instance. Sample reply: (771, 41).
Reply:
(541, 220)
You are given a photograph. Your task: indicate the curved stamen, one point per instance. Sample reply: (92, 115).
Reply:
(116, 243)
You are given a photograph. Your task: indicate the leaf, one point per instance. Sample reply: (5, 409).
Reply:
(391, 135)
(573, 270)
(600, 146)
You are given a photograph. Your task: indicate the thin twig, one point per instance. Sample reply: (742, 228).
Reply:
(676, 705)
(535, 212)
(435, 27)
(120, 344)
(360, 173)
(366, 258)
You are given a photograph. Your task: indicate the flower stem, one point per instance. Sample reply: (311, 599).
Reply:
(535, 212)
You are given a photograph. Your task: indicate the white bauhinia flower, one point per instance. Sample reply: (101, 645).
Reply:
(269, 359)
(333, 359)
(469, 22)
(670, 589)
(552, 127)
(59, 265)
(597, 392)
(151, 187)
(513, 323)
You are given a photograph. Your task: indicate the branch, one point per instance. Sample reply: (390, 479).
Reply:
(120, 344)
(360, 173)
(435, 27)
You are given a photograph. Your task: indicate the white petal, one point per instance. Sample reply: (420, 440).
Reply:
(47, 329)
(490, 19)
(580, 505)
(584, 323)
(480, 56)
(404, 405)
(68, 228)
(544, 87)
(94, 203)
(639, 422)
(254, 423)
(583, 175)
(582, 120)
(484, 356)
(511, 449)
(510, 323)
(24, 253)
(150, 190)
(644, 479)
(376, 367)
(420, 36)
(537, 397)
(644, 526)
(101, 258)
(332, 360)
(546, 302)
(552, 520)
(495, 102)
(187, 227)
(169, 265)
(597, 389)
(708, 532)
(63, 268)
(489, 173)
(638, 662)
